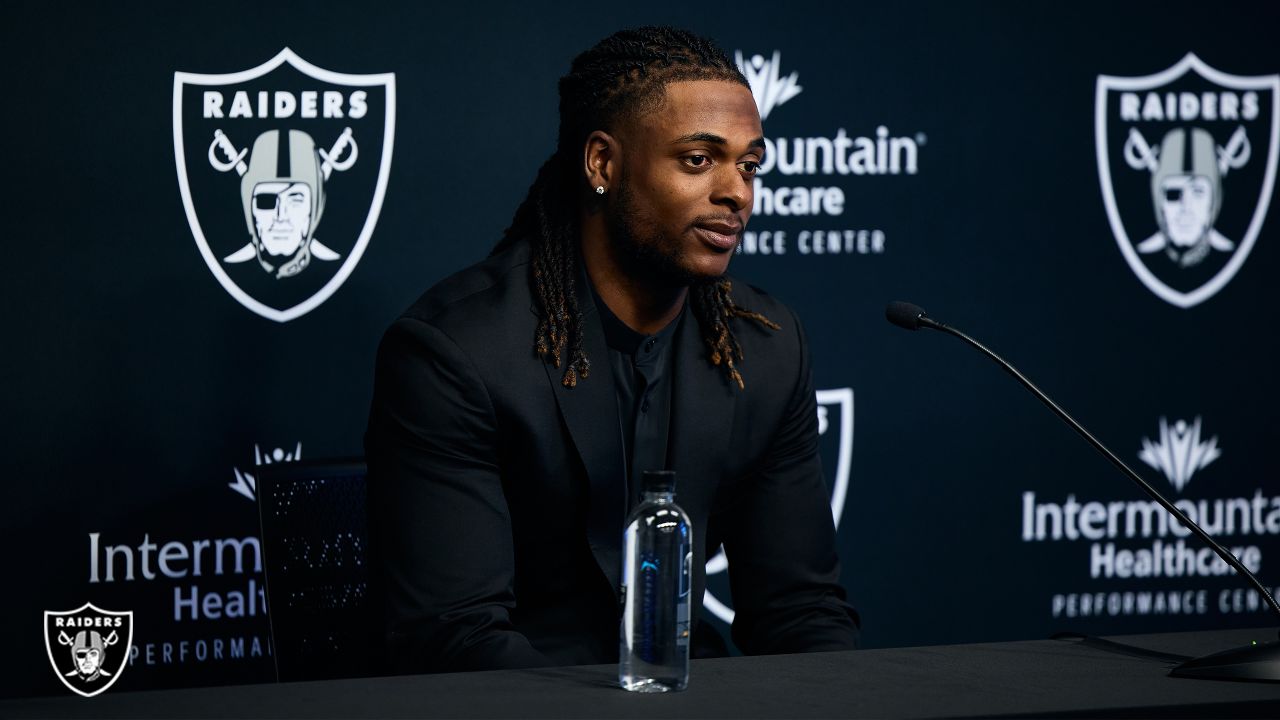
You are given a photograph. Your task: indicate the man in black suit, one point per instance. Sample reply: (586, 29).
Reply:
(517, 402)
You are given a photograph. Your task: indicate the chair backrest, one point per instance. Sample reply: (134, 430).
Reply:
(314, 545)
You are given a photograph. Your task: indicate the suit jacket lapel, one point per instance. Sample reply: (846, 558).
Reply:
(702, 414)
(590, 411)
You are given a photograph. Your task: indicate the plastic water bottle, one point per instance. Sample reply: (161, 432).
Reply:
(657, 557)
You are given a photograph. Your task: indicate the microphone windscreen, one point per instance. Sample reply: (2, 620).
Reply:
(904, 314)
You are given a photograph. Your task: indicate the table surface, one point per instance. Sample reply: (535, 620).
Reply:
(1046, 678)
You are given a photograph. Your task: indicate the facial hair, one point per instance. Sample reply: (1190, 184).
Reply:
(655, 257)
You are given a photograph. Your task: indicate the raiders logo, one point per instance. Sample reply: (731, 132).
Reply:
(835, 430)
(88, 647)
(282, 169)
(1187, 163)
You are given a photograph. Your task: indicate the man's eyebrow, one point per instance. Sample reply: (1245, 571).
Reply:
(700, 137)
(714, 139)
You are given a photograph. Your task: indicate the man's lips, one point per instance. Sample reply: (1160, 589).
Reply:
(719, 235)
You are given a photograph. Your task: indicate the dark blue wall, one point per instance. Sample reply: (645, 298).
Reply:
(137, 386)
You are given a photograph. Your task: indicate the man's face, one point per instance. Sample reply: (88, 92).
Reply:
(87, 660)
(1186, 202)
(686, 188)
(282, 215)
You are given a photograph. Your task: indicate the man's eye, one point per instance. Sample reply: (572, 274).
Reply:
(750, 167)
(698, 160)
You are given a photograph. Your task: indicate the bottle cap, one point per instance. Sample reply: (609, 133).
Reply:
(658, 481)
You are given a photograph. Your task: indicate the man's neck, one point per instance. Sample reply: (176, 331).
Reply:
(645, 307)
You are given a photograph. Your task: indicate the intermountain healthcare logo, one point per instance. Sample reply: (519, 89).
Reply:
(1187, 164)
(294, 136)
(800, 188)
(88, 647)
(768, 86)
(835, 407)
(1179, 452)
(1141, 561)
(247, 482)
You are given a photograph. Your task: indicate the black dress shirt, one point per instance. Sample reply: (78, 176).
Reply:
(642, 373)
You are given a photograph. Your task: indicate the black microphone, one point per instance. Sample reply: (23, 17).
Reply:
(906, 315)
(1254, 662)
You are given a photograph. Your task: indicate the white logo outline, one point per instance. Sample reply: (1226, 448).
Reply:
(124, 660)
(844, 463)
(286, 55)
(1188, 63)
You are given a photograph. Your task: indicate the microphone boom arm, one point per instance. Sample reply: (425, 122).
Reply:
(1230, 559)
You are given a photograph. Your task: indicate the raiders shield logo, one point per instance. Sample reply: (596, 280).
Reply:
(1187, 163)
(835, 430)
(282, 168)
(88, 647)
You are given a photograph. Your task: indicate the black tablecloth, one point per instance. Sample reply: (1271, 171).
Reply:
(1067, 678)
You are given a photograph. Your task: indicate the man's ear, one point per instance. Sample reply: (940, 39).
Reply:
(601, 155)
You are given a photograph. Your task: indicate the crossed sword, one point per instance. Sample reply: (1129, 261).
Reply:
(235, 161)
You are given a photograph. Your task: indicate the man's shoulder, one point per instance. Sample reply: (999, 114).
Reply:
(754, 299)
(494, 286)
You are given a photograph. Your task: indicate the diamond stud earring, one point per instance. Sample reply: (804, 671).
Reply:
(599, 189)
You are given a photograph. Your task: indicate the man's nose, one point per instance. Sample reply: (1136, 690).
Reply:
(732, 190)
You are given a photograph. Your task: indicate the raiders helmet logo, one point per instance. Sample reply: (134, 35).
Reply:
(1187, 163)
(88, 647)
(283, 169)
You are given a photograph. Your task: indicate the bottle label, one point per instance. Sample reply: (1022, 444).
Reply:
(682, 604)
(650, 583)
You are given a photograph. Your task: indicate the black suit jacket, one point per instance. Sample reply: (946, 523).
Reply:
(495, 493)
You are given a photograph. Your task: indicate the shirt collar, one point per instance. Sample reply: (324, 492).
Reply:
(618, 336)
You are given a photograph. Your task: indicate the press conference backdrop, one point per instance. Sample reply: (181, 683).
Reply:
(1086, 186)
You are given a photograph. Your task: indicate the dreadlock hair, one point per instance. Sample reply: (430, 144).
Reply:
(626, 73)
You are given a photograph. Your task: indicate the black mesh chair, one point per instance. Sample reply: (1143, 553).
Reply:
(314, 545)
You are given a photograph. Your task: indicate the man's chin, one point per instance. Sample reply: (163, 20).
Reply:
(712, 267)
(686, 273)
(281, 251)
(1186, 240)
